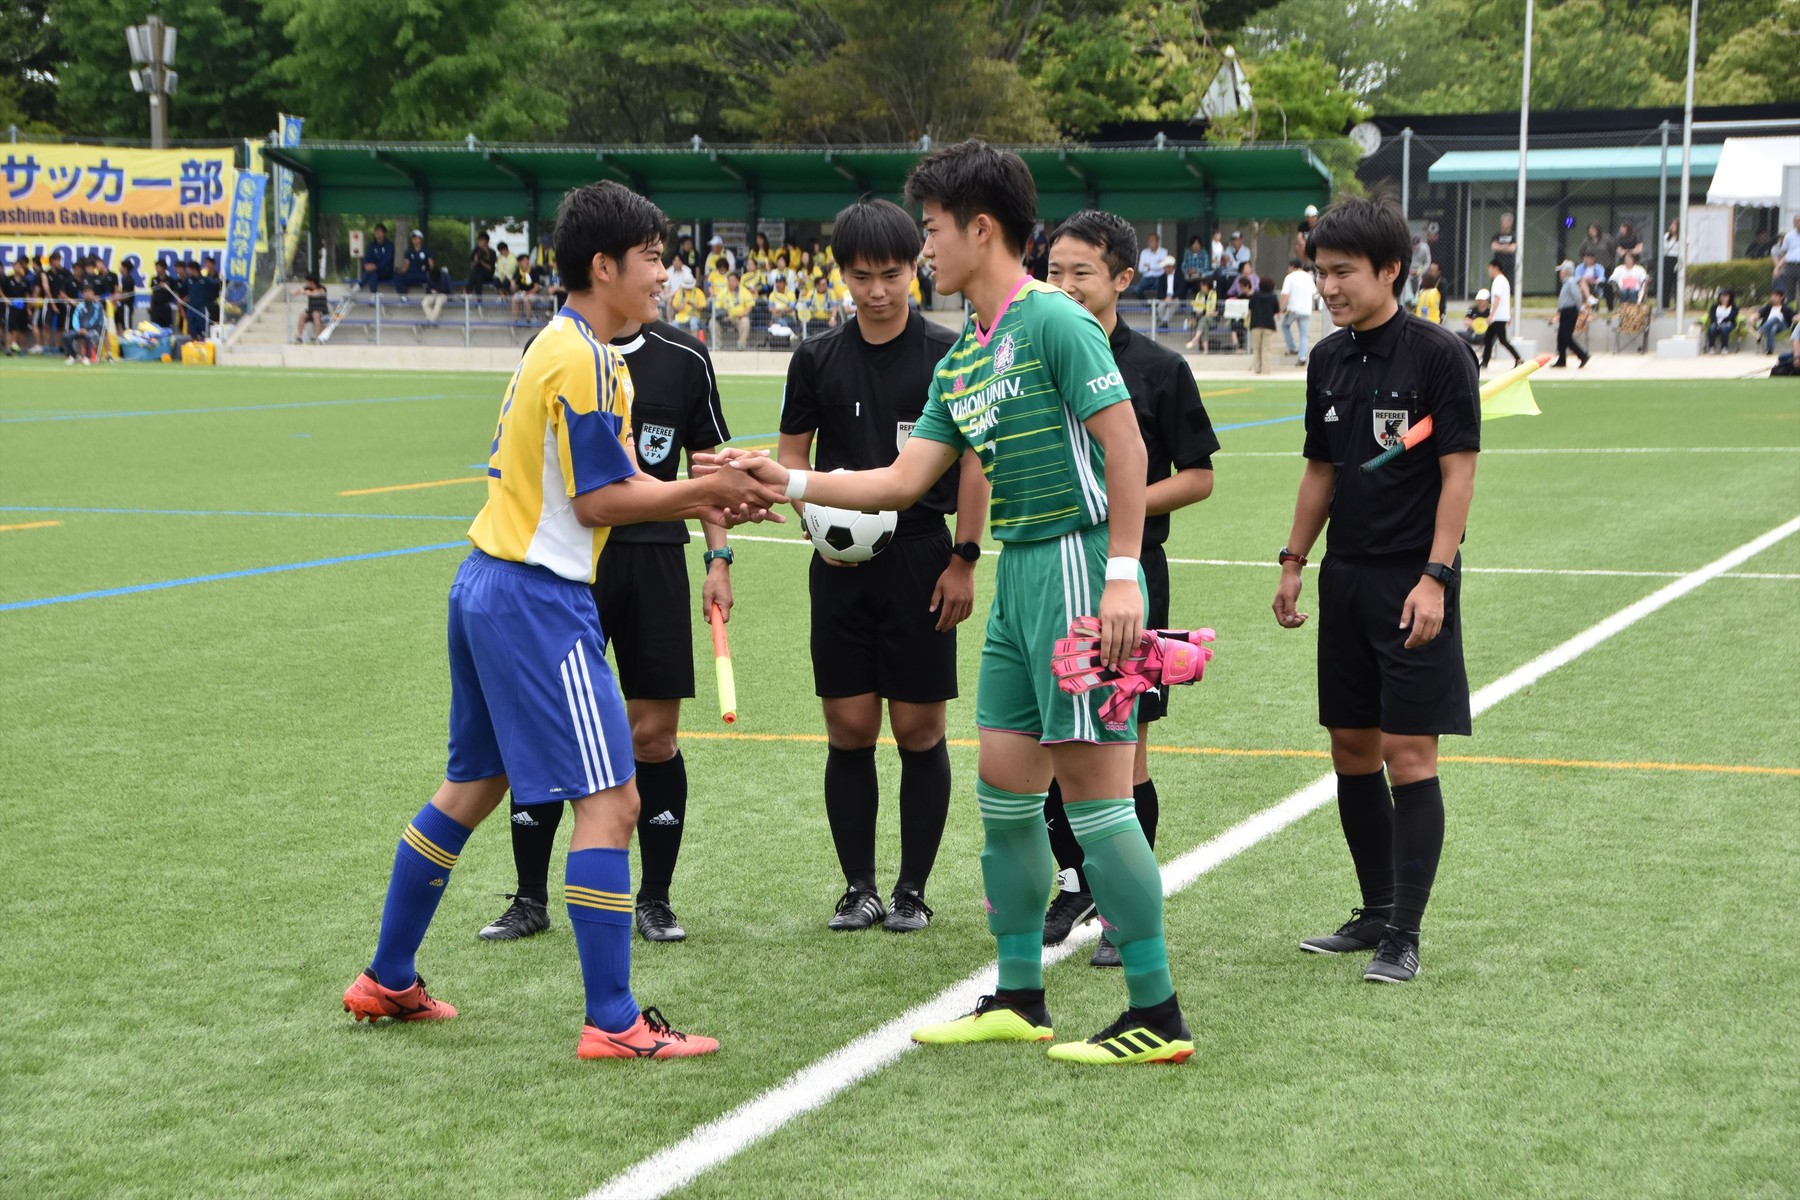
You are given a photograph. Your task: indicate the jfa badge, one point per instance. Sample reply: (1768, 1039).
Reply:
(1391, 425)
(902, 431)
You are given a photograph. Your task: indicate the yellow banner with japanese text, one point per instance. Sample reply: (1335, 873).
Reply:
(76, 195)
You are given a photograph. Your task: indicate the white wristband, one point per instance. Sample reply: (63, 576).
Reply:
(1122, 568)
(796, 485)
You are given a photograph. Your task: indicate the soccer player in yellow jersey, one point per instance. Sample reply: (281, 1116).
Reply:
(533, 706)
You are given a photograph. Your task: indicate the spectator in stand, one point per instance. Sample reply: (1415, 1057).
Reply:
(1630, 280)
(1597, 248)
(1787, 260)
(63, 291)
(1762, 243)
(164, 297)
(1772, 318)
(87, 325)
(1505, 247)
(378, 260)
(1220, 271)
(1421, 259)
(685, 252)
(1153, 282)
(1196, 264)
(506, 270)
(781, 301)
(1037, 255)
(17, 287)
(1592, 276)
(1205, 306)
(1298, 294)
(1236, 254)
(105, 281)
(1429, 305)
(482, 262)
(1721, 323)
(318, 307)
(1475, 320)
(1628, 241)
(528, 287)
(716, 273)
(1671, 262)
(1571, 302)
(418, 268)
(688, 309)
(202, 294)
(735, 304)
(1499, 314)
(1263, 305)
(1244, 285)
(718, 258)
(1307, 223)
(131, 287)
(789, 257)
(761, 256)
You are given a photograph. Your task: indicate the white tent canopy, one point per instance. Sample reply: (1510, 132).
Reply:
(1750, 171)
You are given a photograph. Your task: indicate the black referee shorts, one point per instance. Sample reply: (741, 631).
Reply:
(1154, 705)
(642, 592)
(1367, 677)
(873, 629)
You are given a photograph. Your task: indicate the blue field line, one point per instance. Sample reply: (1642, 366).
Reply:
(244, 574)
(1254, 424)
(227, 408)
(228, 512)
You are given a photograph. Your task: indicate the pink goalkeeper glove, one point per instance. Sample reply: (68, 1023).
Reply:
(1161, 657)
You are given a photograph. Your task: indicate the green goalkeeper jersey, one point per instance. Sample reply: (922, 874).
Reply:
(1018, 394)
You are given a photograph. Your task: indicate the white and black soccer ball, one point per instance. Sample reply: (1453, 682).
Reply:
(848, 535)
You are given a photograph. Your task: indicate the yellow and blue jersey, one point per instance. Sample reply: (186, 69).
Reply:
(561, 433)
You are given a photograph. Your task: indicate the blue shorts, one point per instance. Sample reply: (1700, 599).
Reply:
(531, 696)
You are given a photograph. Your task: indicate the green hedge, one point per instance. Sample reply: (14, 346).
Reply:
(1748, 278)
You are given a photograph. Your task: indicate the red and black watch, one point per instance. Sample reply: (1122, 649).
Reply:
(1287, 556)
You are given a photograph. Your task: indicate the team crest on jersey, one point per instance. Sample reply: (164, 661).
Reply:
(1004, 354)
(1391, 425)
(655, 442)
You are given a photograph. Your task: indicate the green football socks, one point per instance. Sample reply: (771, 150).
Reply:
(1016, 871)
(1127, 885)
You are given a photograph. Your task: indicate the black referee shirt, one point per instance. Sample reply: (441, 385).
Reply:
(863, 402)
(674, 408)
(1365, 390)
(1177, 432)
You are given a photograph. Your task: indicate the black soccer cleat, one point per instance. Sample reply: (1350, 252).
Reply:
(1396, 959)
(858, 908)
(656, 922)
(522, 919)
(907, 911)
(1068, 910)
(1363, 931)
(1105, 954)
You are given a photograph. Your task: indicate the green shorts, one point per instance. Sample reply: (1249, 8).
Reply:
(1039, 588)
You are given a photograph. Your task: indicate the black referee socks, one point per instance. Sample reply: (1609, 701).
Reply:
(1069, 855)
(1367, 814)
(662, 815)
(533, 839)
(852, 797)
(924, 808)
(1418, 844)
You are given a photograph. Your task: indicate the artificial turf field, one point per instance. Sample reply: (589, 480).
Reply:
(207, 780)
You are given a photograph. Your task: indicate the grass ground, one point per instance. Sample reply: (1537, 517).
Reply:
(207, 781)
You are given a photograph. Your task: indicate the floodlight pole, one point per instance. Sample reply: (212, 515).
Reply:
(1662, 211)
(150, 74)
(1519, 208)
(1687, 166)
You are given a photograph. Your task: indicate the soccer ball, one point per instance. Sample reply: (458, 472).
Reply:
(847, 535)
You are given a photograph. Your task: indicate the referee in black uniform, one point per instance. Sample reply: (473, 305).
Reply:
(646, 613)
(1391, 677)
(1092, 258)
(883, 629)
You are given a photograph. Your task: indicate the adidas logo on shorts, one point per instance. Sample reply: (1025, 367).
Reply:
(1331, 413)
(665, 817)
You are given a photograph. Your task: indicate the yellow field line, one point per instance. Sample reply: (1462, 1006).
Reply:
(1231, 392)
(1236, 752)
(29, 525)
(413, 487)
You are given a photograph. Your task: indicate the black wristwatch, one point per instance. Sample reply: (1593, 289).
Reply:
(1438, 571)
(722, 554)
(967, 551)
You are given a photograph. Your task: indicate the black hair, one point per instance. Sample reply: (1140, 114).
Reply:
(1113, 234)
(1265, 283)
(381, 226)
(873, 234)
(602, 218)
(971, 178)
(503, 246)
(482, 236)
(1295, 263)
(1367, 228)
(312, 277)
(1495, 263)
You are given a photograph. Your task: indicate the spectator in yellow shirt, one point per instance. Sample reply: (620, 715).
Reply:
(736, 303)
(1206, 311)
(781, 301)
(690, 309)
(1430, 305)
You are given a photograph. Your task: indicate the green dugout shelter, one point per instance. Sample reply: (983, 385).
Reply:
(698, 182)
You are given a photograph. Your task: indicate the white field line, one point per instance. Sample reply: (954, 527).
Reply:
(1266, 565)
(811, 1087)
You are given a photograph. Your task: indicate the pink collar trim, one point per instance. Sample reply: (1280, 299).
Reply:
(984, 338)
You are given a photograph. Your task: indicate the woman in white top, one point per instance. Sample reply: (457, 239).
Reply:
(1671, 262)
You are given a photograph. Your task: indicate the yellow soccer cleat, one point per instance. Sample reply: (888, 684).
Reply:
(993, 1020)
(1130, 1039)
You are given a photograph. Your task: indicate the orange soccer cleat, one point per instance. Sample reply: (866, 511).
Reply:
(367, 1000)
(648, 1037)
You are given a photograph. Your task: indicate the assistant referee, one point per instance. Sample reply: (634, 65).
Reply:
(1091, 257)
(1391, 676)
